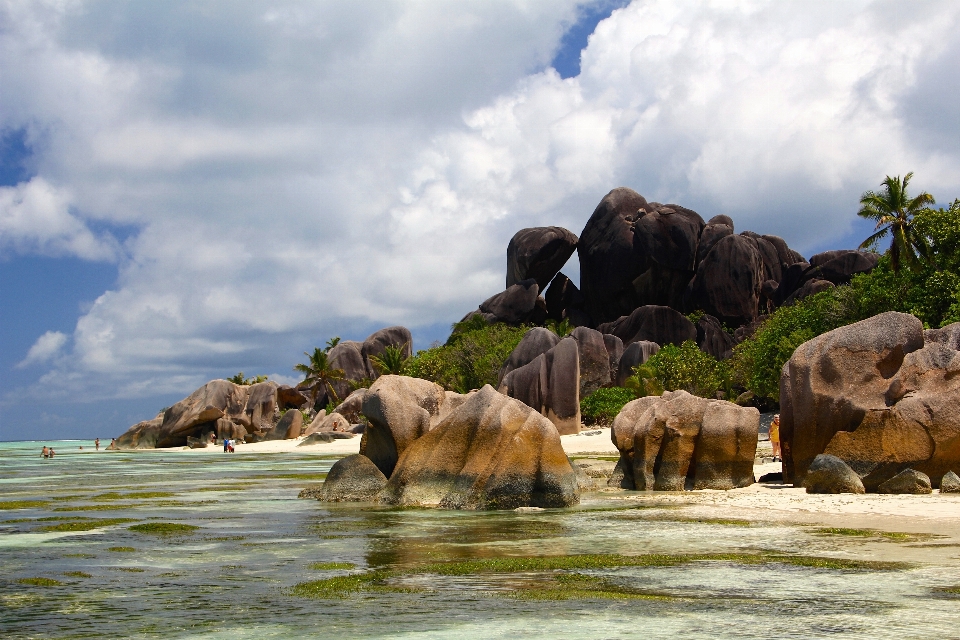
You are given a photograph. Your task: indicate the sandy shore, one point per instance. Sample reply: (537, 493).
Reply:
(766, 502)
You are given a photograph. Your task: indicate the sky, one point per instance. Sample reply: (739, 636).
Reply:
(191, 189)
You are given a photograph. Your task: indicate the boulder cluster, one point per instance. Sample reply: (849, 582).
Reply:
(428, 447)
(643, 265)
(678, 442)
(872, 406)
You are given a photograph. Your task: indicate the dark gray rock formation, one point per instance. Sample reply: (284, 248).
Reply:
(377, 342)
(550, 384)
(535, 342)
(636, 354)
(727, 283)
(907, 481)
(538, 253)
(594, 360)
(519, 303)
(712, 339)
(653, 323)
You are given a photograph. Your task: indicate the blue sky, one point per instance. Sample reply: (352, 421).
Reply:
(192, 189)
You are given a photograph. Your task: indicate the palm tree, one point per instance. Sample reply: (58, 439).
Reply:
(893, 210)
(392, 360)
(320, 372)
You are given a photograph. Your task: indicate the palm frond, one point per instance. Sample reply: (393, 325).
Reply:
(874, 239)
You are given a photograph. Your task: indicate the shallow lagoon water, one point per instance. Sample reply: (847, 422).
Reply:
(234, 576)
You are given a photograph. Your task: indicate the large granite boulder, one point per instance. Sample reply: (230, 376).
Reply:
(830, 474)
(727, 282)
(492, 452)
(594, 360)
(348, 356)
(608, 262)
(142, 435)
(652, 323)
(400, 410)
(519, 303)
(290, 398)
(550, 384)
(614, 347)
(377, 342)
(538, 253)
(636, 354)
(332, 422)
(840, 266)
(564, 300)
(809, 288)
(769, 257)
(678, 441)
(353, 479)
(249, 406)
(712, 339)
(352, 406)
(907, 481)
(713, 233)
(535, 342)
(874, 395)
(289, 427)
(668, 235)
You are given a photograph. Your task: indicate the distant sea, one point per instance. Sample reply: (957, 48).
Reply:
(75, 561)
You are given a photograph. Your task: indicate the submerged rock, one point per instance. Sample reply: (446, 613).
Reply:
(353, 479)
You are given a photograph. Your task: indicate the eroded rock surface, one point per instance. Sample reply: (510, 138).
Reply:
(830, 474)
(538, 253)
(551, 385)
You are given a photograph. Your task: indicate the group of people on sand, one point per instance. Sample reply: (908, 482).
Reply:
(227, 446)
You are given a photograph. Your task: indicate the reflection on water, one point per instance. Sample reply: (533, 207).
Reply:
(70, 566)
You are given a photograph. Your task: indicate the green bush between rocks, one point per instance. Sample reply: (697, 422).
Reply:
(603, 405)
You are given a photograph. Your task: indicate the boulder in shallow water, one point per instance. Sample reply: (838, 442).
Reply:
(830, 474)
(907, 481)
(950, 483)
(353, 479)
(492, 452)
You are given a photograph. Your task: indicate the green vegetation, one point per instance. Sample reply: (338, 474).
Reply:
(320, 372)
(85, 525)
(21, 504)
(569, 585)
(895, 536)
(77, 574)
(688, 368)
(562, 328)
(122, 549)
(954, 590)
(894, 212)
(471, 357)
(393, 360)
(137, 495)
(332, 566)
(239, 379)
(644, 381)
(164, 528)
(40, 582)
(603, 405)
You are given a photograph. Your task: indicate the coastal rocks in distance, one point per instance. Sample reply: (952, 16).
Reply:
(538, 253)
(377, 342)
(324, 437)
(907, 481)
(353, 479)
(830, 474)
(332, 422)
(652, 323)
(492, 452)
(400, 410)
(551, 385)
(250, 407)
(289, 427)
(678, 441)
(352, 407)
(950, 483)
(142, 435)
(875, 395)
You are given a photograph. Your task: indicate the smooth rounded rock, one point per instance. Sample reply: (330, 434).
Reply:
(907, 481)
(830, 474)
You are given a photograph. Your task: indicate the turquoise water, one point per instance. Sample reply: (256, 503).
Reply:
(233, 576)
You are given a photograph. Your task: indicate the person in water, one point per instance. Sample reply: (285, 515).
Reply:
(46, 452)
(775, 438)
(96, 443)
(52, 453)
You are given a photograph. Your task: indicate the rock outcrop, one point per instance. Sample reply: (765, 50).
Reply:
(250, 408)
(652, 323)
(727, 282)
(636, 354)
(678, 441)
(400, 410)
(950, 483)
(594, 360)
(377, 342)
(538, 253)
(907, 481)
(875, 395)
(534, 343)
(518, 304)
(830, 474)
(492, 452)
(353, 479)
(289, 427)
(551, 385)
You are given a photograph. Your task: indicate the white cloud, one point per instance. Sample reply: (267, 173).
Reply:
(46, 348)
(35, 218)
(301, 171)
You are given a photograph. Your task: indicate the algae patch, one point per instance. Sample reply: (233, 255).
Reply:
(40, 582)
(332, 566)
(893, 536)
(11, 505)
(164, 528)
(85, 525)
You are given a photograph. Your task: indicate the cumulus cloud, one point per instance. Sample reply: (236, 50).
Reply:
(35, 217)
(298, 171)
(46, 348)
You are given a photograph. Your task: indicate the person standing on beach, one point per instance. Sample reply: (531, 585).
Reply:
(775, 438)
(96, 443)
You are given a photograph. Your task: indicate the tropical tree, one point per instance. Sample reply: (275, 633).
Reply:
(893, 211)
(239, 379)
(320, 373)
(393, 360)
